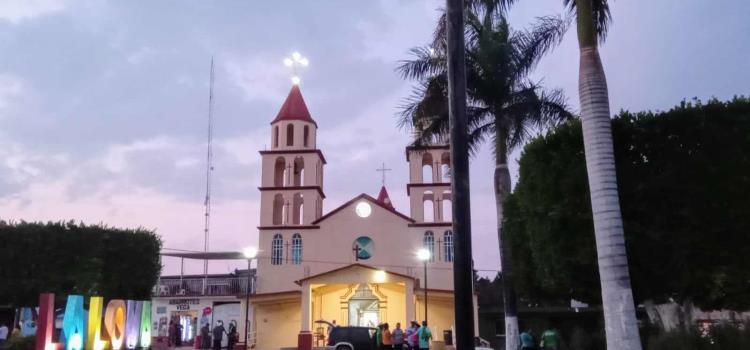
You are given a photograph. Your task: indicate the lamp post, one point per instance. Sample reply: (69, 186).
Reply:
(424, 255)
(250, 254)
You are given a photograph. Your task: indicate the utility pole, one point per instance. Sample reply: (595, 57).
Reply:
(463, 276)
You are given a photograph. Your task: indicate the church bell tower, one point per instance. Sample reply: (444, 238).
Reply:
(292, 180)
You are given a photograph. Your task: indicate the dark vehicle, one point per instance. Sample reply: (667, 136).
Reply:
(351, 338)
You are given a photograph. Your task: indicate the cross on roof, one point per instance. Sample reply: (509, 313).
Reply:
(383, 169)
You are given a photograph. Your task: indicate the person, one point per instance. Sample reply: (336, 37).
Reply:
(218, 334)
(16, 333)
(397, 337)
(527, 340)
(3, 334)
(205, 336)
(411, 336)
(232, 335)
(330, 328)
(549, 339)
(425, 335)
(379, 337)
(386, 344)
(178, 334)
(171, 333)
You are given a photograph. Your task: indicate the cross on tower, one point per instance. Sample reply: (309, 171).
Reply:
(383, 169)
(293, 62)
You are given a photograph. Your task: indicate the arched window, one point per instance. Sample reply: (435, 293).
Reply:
(290, 135)
(278, 209)
(277, 249)
(448, 245)
(428, 206)
(427, 168)
(299, 172)
(445, 167)
(279, 168)
(276, 136)
(298, 209)
(447, 207)
(429, 244)
(306, 136)
(296, 249)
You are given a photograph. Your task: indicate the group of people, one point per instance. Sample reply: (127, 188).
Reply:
(210, 338)
(415, 337)
(549, 340)
(217, 335)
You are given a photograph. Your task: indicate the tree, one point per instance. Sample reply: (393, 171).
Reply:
(592, 20)
(503, 105)
(685, 184)
(69, 258)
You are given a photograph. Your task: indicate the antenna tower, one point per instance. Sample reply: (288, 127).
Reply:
(209, 167)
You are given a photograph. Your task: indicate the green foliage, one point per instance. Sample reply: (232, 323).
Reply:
(20, 343)
(684, 179)
(69, 258)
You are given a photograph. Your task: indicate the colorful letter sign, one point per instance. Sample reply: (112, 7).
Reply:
(114, 322)
(45, 323)
(146, 325)
(132, 323)
(73, 324)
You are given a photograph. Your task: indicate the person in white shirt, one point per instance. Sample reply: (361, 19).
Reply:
(3, 334)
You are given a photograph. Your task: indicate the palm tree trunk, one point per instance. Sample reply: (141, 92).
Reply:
(617, 297)
(502, 187)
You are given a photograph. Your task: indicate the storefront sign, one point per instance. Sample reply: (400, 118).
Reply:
(126, 323)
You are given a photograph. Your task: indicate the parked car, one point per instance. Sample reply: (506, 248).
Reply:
(351, 338)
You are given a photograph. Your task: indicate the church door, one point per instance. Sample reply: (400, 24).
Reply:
(364, 308)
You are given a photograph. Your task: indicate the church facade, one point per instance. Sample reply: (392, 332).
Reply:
(355, 264)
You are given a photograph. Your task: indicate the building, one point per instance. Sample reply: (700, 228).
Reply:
(355, 264)
(194, 300)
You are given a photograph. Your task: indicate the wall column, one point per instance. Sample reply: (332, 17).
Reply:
(409, 295)
(304, 339)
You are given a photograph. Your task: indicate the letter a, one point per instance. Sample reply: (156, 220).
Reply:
(73, 323)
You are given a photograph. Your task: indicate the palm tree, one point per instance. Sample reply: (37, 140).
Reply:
(592, 20)
(504, 105)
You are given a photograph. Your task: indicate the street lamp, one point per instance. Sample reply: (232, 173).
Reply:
(424, 255)
(250, 253)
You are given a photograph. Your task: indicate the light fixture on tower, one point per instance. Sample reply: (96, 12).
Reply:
(296, 61)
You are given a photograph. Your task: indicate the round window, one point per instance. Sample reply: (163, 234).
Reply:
(363, 248)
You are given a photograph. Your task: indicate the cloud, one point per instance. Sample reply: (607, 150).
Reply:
(140, 55)
(261, 77)
(11, 89)
(16, 11)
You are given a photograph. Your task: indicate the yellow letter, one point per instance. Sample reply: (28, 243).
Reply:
(94, 336)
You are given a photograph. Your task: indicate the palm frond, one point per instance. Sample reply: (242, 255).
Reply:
(531, 45)
(426, 63)
(602, 16)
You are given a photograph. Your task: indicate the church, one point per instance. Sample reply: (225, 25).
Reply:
(356, 264)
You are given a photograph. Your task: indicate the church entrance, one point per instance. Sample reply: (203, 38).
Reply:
(364, 308)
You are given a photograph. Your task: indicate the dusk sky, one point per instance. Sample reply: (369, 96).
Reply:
(103, 104)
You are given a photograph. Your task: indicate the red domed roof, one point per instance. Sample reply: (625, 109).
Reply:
(294, 108)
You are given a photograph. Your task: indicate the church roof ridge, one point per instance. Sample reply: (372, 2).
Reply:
(299, 281)
(369, 198)
(294, 108)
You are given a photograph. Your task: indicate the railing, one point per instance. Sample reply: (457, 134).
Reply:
(220, 286)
